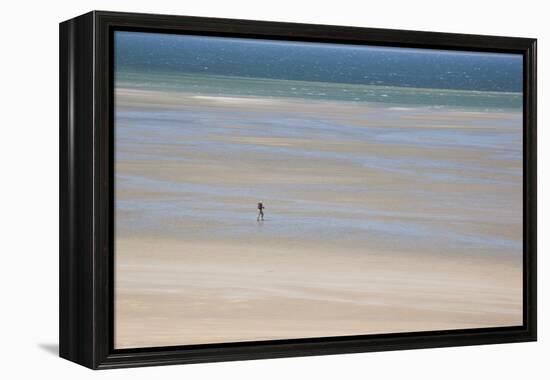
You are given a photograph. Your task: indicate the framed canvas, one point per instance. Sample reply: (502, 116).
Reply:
(235, 189)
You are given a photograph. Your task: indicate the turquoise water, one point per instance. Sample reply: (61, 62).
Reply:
(267, 68)
(318, 62)
(215, 85)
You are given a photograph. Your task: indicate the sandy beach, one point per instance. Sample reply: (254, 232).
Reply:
(380, 218)
(197, 292)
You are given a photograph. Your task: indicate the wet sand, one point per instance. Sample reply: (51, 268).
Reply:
(379, 219)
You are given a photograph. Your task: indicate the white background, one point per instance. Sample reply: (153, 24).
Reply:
(29, 189)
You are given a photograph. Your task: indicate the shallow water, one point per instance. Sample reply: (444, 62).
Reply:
(282, 141)
(227, 86)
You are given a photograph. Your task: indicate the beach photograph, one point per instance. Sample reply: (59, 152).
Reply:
(269, 190)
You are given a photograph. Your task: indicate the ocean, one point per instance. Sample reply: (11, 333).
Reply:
(243, 67)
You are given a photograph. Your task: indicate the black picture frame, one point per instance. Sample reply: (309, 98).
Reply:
(86, 190)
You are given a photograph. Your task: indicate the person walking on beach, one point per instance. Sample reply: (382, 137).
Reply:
(260, 211)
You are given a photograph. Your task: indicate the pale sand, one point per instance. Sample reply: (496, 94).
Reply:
(171, 292)
(185, 275)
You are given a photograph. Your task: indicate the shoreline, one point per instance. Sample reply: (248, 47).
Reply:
(258, 99)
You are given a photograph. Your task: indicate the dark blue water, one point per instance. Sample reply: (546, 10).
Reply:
(306, 61)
